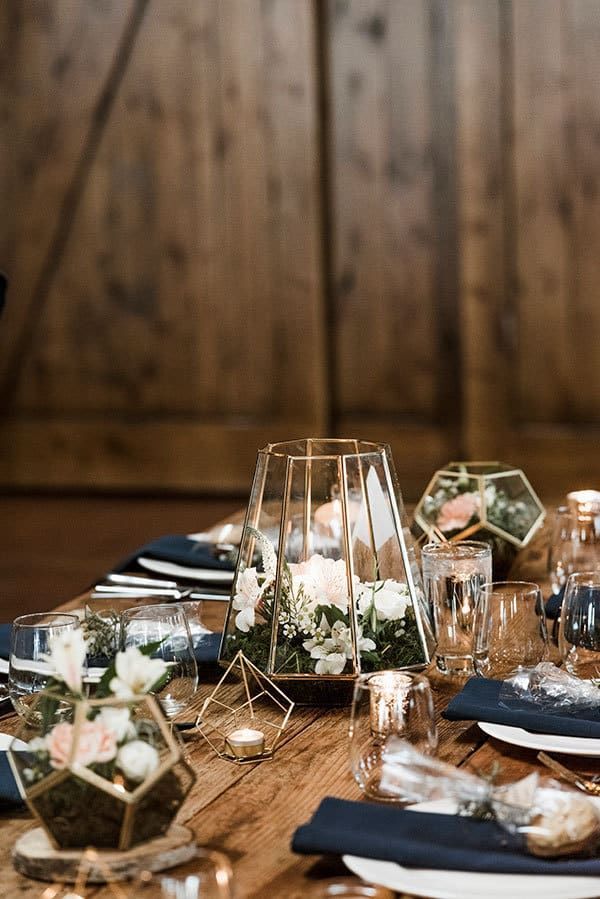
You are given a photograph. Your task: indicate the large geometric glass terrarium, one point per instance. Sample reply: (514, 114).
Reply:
(488, 501)
(327, 584)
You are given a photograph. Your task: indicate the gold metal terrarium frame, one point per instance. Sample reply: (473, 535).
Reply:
(488, 471)
(130, 800)
(313, 688)
(224, 710)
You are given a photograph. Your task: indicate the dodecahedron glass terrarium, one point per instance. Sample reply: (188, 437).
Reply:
(326, 585)
(107, 773)
(488, 501)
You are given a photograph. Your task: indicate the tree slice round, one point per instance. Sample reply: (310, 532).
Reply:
(34, 856)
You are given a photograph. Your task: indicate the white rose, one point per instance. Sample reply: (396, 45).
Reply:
(67, 656)
(137, 760)
(118, 721)
(136, 673)
(390, 598)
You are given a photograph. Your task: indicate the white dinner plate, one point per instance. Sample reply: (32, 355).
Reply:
(215, 576)
(469, 884)
(7, 739)
(548, 742)
(3, 666)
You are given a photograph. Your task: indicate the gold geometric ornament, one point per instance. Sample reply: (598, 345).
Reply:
(245, 715)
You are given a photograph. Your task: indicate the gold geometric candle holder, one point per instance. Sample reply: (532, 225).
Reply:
(245, 715)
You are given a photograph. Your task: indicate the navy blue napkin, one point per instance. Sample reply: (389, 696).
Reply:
(10, 796)
(424, 840)
(479, 700)
(553, 605)
(179, 549)
(5, 632)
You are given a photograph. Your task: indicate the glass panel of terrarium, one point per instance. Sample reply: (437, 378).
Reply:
(509, 504)
(453, 506)
(248, 625)
(393, 622)
(313, 628)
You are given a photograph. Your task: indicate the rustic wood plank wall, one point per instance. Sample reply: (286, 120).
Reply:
(236, 221)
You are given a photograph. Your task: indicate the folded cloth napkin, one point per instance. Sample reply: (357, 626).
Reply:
(479, 700)
(424, 840)
(178, 549)
(5, 632)
(10, 795)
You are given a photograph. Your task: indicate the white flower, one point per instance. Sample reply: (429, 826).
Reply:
(136, 673)
(67, 656)
(332, 651)
(247, 596)
(118, 721)
(390, 598)
(334, 663)
(137, 760)
(324, 581)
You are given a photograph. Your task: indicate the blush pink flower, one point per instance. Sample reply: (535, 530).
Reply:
(456, 513)
(96, 743)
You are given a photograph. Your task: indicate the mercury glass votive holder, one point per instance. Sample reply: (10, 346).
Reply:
(453, 575)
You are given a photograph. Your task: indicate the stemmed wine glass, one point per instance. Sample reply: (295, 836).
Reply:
(579, 630)
(165, 624)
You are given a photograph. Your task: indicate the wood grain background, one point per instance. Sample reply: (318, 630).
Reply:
(233, 221)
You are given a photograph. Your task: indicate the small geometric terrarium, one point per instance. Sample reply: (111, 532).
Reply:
(245, 715)
(327, 584)
(104, 772)
(488, 501)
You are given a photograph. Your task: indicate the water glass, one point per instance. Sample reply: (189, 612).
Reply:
(453, 574)
(29, 671)
(213, 879)
(510, 628)
(579, 630)
(388, 704)
(575, 542)
(165, 624)
(193, 611)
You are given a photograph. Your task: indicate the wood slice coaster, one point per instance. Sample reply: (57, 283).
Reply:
(34, 856)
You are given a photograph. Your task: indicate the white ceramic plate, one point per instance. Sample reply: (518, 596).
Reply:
(198, 574)
(548, 742)
(3, 666)
(469, 884)
(6, 740)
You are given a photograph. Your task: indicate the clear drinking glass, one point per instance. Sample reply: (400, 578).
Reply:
(453, 574)
(510, 628)
(213, 879)
(561, 555)
(28, 668)
(386, 704)
(166, 624)
(579, 630)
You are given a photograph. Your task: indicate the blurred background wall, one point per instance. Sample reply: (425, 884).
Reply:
(228, 222)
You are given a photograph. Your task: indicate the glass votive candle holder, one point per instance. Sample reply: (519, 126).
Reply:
(388, 704)
(453, 575)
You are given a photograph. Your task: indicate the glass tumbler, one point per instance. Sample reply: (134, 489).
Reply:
(212, 879)
(386, 704)
(510, 628)
(165, 624)
(453, 574)
(29, 669)
(579, 630)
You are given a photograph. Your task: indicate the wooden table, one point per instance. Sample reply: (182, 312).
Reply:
(251, 812)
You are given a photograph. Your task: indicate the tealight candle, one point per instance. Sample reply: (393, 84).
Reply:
(389, 697)
(246, 742)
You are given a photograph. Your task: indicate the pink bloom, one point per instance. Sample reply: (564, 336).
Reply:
(325, 581)
(96, 743)
(457, 513)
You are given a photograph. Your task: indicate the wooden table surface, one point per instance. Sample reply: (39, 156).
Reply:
(250, 812)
